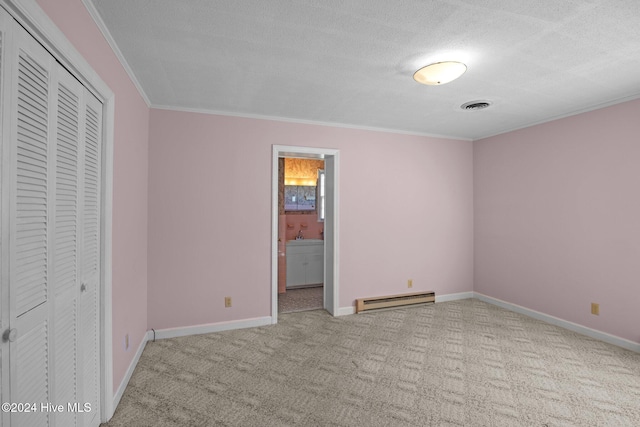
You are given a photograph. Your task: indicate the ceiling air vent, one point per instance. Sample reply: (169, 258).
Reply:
(475, 105)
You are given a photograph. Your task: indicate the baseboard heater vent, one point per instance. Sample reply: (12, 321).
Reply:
(377, 303)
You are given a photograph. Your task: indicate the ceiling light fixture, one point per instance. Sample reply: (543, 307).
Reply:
(440, 73)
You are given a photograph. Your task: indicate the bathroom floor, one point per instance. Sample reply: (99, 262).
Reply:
(302, 299)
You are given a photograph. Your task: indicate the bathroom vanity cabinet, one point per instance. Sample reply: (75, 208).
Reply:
(305, 262)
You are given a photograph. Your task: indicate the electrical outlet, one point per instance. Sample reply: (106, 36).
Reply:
(126, 342)
(595, 308)
(410, 283)
(227, 302)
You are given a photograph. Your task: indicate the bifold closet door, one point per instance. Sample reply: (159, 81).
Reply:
(66, 246)
(52, 218)
(76, 279)
(5, 22)
(30, 237)
(91, 260)
(76, 252)
(76, 239)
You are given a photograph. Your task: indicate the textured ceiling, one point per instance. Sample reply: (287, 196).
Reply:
(351, 62)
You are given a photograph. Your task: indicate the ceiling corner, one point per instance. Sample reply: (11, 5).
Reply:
(88, 4)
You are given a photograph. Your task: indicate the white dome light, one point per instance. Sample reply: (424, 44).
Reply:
(440, 73)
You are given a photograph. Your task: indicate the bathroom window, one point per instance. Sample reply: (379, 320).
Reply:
(320, 190)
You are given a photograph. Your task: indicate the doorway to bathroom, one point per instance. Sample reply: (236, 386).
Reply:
(300, 234)
(312, 245)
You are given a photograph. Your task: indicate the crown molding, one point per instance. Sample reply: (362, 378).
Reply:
(112, 43)
(305, 122)
(588, 109)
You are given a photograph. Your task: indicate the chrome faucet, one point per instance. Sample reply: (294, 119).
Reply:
(299, 236)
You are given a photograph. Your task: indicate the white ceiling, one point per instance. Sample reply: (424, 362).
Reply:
(350, 62)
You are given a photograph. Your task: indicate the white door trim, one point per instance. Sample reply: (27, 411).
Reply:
(311, 153)
(29, 14)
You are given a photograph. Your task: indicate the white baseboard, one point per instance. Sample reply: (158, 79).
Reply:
(345, 311)
(454, 297)
(180, 332)
(212, 327)
(592, 333)
(129, 373)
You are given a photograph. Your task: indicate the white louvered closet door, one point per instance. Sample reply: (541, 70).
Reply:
(69, 95)
(51, 227)
(30, 237)
(4, 223)
(91, 225)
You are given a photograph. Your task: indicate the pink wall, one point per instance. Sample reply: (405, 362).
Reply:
(557, 218)
(406, 212)
(129, 179)
(308, 223)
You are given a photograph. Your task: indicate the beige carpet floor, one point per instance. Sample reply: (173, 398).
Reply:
(459, 363)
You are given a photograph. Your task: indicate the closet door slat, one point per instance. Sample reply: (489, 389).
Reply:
(66, 244)
(91, 222)
(31, 195)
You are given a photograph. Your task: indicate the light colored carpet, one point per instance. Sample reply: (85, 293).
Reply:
(459, 363)
(301, 299)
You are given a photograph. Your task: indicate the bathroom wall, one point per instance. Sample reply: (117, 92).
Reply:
(405, 212)
(302, 168)
(307, 223)
(557, 218)
(289, 224)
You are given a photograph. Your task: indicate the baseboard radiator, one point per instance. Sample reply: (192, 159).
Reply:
(390, 301)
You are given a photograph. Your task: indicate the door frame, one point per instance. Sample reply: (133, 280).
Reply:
(331, 237)
(37, 23)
